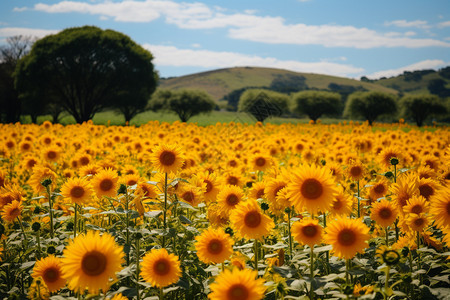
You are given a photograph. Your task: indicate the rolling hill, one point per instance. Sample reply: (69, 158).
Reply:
(221, 82)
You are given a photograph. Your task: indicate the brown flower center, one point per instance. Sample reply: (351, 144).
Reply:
(260, 193)
(93, 263)
(209, 186)
(188, 196)
(355, 171)
(161, 267)
(448, 208)
(106, 185)
(309, 230)
(77, 192)
(51, 154)
(417, 209)
(311, 189)
(385, 213)
(419, 222)
(379, 189)
(238, 292)
(232, 200)
(215, 246)
(167, 158)
(426, 191)
(233, 180)
(252, 219)
(260, 161)
(337, 204)
(51, 275)
(347, 237)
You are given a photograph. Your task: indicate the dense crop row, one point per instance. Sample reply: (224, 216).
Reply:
(230, 211)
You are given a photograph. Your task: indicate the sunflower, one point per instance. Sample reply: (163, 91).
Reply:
(440, 208)
(257, 190)
(342, 203)
(118, 296)
(427, 187)
(12, 211)
(347, 236)
(307, 232)
(416, 205)
(311, 188)
(39, 175)
(191, 194)
(249, 221)
(77, 190)
(90, 260)
(38, 290)
(167, 158)
(51, 154)
(355, 171)
(260, 162)
(228, 198)
(105, 183)
(274, 186)
(379, 189)
(335, 169)
(49, 269)
(160, 269)
(147, 190)
(403, 190)
(383, 213)
(131, 179)
(387, 154)
(417, 222)
(237, 285)
(214, 246)
(212, 186)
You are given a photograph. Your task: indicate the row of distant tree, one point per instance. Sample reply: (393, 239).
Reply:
(366, 105)
(84, 70)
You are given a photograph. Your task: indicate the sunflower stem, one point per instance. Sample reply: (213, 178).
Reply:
(290, 236)
(50, 207)
(137, 267)
(25, 241)
(396, 230)
(327, 253)
(387, 236)
(359, 204)
(165, 210)
(347, 269)
(256, 256)
(395, 173)
(419, 263)
(161, 294)
(386, 284)
(38, 242)
(75, 223)
(311, 271)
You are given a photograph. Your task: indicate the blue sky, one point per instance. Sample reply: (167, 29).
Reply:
(342, 38)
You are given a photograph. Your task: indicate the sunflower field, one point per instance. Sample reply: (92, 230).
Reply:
(227, 211)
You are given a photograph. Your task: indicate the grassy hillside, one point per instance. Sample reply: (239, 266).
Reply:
(219, 83)
(412, 82)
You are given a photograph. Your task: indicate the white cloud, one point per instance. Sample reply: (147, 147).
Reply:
(12, 31)
(444, 24)
(246, 25)
(172, 56)
(422, 65)
(406, 24)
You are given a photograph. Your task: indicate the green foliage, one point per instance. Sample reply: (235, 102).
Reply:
(86, 69)
(185, 103)
(420, 107)
(438, 87)
(314, 104)
(370, 105)
(288, 83)
(10, 103)
(263, 104)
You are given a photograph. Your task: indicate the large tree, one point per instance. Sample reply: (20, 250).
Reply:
(420, 107)
(185, 103)
(370, 105)
(86, 69)
(10, 104)
(263, 104)
(314, 104)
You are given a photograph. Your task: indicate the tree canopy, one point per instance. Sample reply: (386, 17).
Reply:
(10, 104)
(314, 104)
(86, 69)
(185, 103)
(370, 105)
(420, 107)
(263, 104)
